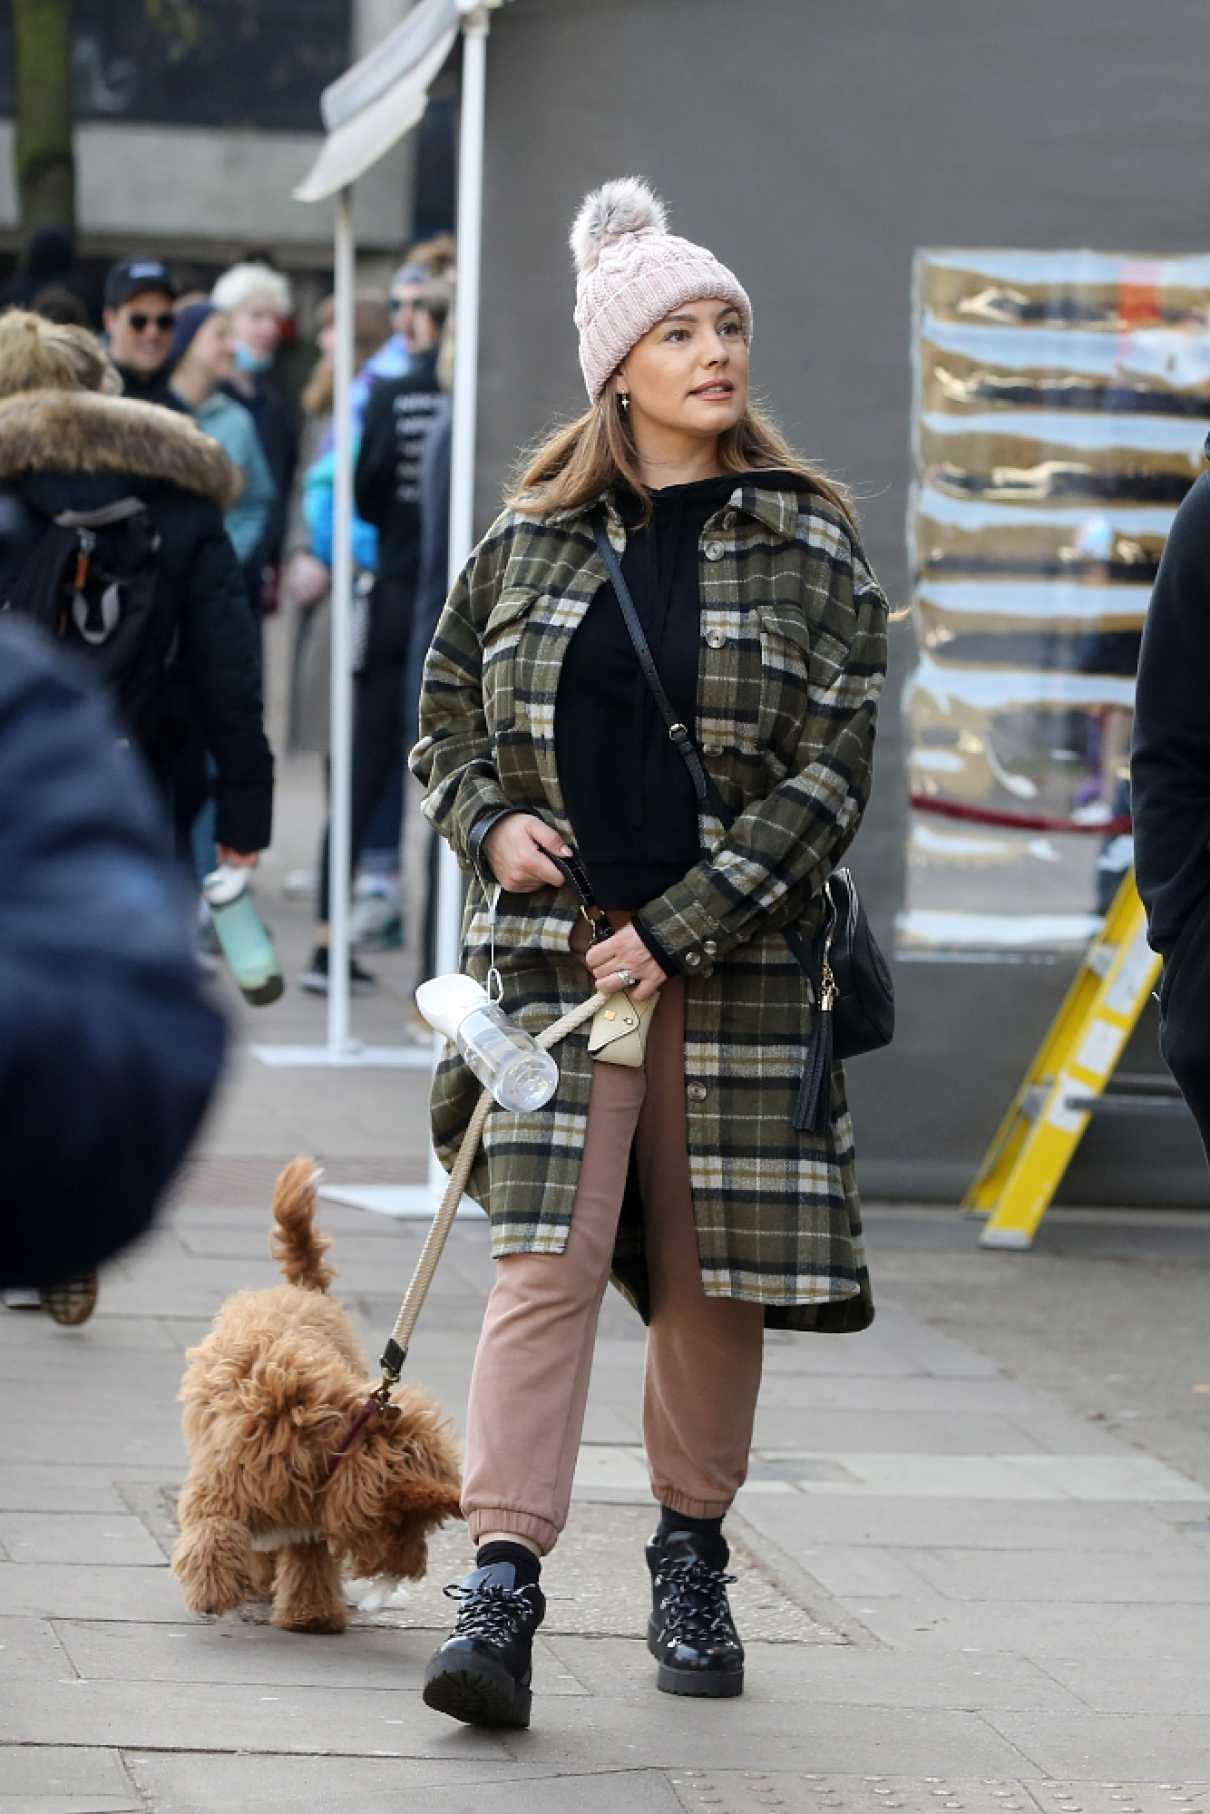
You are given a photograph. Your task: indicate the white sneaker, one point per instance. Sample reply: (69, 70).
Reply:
(377, 918)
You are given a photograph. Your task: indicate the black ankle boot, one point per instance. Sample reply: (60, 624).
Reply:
(482, 1673)
(692, 1635)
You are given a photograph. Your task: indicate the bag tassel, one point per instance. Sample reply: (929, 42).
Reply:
(812, 1113)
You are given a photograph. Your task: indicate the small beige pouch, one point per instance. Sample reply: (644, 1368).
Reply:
(618, 1032)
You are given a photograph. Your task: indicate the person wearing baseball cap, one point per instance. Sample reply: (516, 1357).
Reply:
(139, 319)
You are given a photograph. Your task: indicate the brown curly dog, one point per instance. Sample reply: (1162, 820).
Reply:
(270, 1395)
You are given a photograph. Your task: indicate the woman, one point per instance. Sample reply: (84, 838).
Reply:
(258, 303)
(202, 361)
(539, 735)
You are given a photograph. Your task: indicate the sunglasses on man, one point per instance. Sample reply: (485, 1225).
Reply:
(402, 302)
(163, 324)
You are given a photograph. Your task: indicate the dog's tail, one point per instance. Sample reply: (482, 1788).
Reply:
(295, 1243)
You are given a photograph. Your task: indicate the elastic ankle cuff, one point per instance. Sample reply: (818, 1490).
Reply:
(693, 1508)
(502, 1519)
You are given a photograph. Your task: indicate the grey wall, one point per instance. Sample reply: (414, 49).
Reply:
(815, 147)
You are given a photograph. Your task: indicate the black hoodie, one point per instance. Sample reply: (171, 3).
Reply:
(1170, 759)
(629, 796)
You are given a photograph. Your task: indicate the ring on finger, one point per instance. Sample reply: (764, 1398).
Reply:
(627, 978)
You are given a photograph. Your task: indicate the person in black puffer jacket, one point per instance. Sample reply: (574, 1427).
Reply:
(68, 443)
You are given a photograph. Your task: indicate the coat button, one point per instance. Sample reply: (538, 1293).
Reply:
(696, 1092)
(715, 551)
(716, 640)
(730, 519)
(693, 959)
(710, 947)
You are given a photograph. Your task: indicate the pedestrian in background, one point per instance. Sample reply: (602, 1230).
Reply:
(200, 364)
(139, 318)
(387, 494)
(307, 571)
(68, 442)
(432, 586)
(539, 736)
(258, 302)
(49, 263)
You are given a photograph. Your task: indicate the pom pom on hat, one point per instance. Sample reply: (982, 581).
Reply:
(609, 213)
(631, 272)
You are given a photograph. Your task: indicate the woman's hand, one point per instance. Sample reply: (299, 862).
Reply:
(625, 951)
(305, 580)
(516, 850)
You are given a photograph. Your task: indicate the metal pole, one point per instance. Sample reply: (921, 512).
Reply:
(462, 450)
(340, 796)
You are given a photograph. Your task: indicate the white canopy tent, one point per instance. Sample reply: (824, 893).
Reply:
(366, 112)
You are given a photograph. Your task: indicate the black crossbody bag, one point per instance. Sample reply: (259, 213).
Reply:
(850, 978)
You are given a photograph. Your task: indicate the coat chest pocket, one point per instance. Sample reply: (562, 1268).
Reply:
(785, 656)
(501, 641)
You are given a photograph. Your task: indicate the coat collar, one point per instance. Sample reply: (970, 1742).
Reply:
(775, 510)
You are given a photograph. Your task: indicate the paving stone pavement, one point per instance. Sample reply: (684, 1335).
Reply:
(961, 1590)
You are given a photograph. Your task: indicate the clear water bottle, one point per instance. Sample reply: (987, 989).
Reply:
(246, 945)
(519, 1074)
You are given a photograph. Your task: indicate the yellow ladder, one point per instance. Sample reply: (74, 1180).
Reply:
(1037, 1140)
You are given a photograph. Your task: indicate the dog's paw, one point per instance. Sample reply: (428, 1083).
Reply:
(379, 1594)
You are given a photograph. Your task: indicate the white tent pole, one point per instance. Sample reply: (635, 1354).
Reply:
(462, 450)
(341, 727)
(466, 379)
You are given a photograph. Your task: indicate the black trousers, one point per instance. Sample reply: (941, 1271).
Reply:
(1185, 1015)
(377, 749)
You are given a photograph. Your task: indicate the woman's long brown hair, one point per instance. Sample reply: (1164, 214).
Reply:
(590, 455)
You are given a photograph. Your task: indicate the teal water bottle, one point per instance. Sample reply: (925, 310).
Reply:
(246, 945)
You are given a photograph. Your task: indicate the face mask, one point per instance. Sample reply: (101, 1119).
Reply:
(252, 362)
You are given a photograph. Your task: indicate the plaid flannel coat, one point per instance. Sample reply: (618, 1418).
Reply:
(793, 655)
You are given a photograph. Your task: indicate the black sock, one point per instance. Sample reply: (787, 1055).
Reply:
(527, 1565)
(681, 1521)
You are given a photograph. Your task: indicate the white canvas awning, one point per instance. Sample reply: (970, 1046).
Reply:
(370, 107)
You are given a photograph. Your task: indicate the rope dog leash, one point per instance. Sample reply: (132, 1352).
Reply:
(396, 1351)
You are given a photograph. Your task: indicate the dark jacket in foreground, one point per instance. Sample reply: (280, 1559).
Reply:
(1170, 761)
(75, 450)
(108, 1050)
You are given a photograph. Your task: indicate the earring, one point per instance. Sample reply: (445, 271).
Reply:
(623, 401)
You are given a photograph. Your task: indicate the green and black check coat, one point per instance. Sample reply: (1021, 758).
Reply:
(793, 657)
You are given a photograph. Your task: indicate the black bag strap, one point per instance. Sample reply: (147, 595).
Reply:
(678, 733)
(596, 916)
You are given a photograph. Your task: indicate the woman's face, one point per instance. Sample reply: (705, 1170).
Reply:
(213, 350)
(325, 340)
(256, 326)
(422, 333)
(691, 372)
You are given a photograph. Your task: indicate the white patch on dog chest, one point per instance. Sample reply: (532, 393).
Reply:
(283, 1536)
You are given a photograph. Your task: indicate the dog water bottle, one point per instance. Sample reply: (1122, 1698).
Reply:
(246, 945)
(519, 1074)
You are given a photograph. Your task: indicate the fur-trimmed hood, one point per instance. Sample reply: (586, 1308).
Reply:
(49, 431)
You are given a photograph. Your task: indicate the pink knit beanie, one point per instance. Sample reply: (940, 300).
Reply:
(633, 272)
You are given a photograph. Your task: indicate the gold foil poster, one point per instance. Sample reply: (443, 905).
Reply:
(1061, 404)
